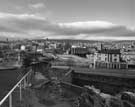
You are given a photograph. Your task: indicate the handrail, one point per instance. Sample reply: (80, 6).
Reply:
(10, 92)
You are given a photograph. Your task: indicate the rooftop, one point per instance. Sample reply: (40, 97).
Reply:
(110, 51)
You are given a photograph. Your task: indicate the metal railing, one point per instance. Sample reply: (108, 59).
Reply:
(22, 83)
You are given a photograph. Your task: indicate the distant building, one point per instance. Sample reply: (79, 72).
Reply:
(23, 48)
(90, 57)
(4, 45)
(109, 58)
(79, 51)
(52, 46)
(129, 57)
(109, 55)
(40, 50)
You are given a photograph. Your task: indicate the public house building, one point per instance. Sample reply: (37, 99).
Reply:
(109, 58)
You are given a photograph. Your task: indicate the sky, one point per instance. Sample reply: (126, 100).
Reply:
(68, 19)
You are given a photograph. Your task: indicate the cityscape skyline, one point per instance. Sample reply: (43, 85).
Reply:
(68, 19)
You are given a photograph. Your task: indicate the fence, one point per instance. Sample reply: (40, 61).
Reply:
(21, 84)
(111, 65)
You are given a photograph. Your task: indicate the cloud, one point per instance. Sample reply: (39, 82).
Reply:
(99, 28)
(37, 5)
(32, 25)
(88, 24)
(19, 16)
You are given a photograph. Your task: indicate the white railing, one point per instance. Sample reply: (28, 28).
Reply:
(20, 84)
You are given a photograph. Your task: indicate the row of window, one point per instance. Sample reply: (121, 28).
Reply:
(115, 60)
(114, 55)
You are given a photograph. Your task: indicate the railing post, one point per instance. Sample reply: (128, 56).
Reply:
(20, 91)
(10, 100)
(19, 84)
(27, 80)
(25, 83)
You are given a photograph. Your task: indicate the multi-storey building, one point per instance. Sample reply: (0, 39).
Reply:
(129, 56)
(109, 55)
(79, 51)
(109, 58)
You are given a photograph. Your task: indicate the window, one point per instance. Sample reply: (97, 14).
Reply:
(115, 66)
(115, 55)
(115, 60)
